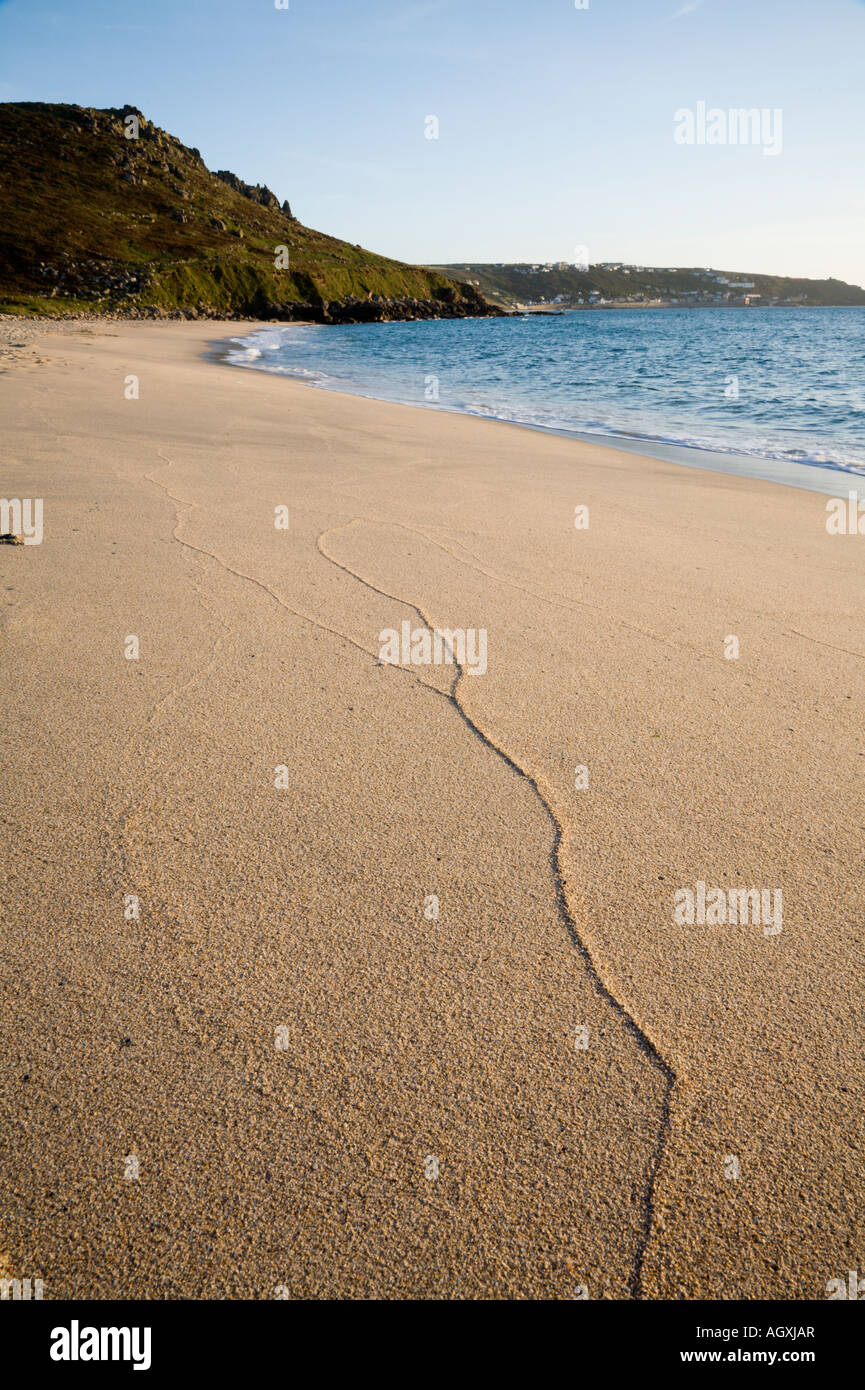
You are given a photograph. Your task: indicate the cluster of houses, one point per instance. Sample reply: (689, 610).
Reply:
(717, 289)
(651, 287)
(541, 268)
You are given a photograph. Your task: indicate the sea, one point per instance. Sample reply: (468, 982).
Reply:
(777, 394)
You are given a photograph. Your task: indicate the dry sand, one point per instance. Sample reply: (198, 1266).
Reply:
(281, 1038)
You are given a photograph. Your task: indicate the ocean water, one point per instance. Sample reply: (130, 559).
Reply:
(777, 393)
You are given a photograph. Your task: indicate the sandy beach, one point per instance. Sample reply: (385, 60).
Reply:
(244, 1054)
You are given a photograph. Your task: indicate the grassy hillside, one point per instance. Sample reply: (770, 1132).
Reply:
(91, 221)
(565, 286)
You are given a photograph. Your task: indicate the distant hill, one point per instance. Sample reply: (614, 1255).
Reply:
(91, 221)
(559, 285)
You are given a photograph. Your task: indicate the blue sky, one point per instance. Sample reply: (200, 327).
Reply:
(555, 124)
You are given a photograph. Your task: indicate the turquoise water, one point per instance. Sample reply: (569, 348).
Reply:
(774, 393)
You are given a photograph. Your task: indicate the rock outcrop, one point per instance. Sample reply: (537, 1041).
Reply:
(255, 192)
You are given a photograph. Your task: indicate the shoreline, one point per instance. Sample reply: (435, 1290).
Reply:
(829, 479)
(282, 1033)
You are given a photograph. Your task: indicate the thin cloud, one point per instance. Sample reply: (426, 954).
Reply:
(691, 6)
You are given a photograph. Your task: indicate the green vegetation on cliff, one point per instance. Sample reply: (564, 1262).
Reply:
(92, 220)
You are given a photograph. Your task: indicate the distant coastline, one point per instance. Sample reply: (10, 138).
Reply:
(523, 286)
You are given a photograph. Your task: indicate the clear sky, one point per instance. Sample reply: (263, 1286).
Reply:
(555, 123)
